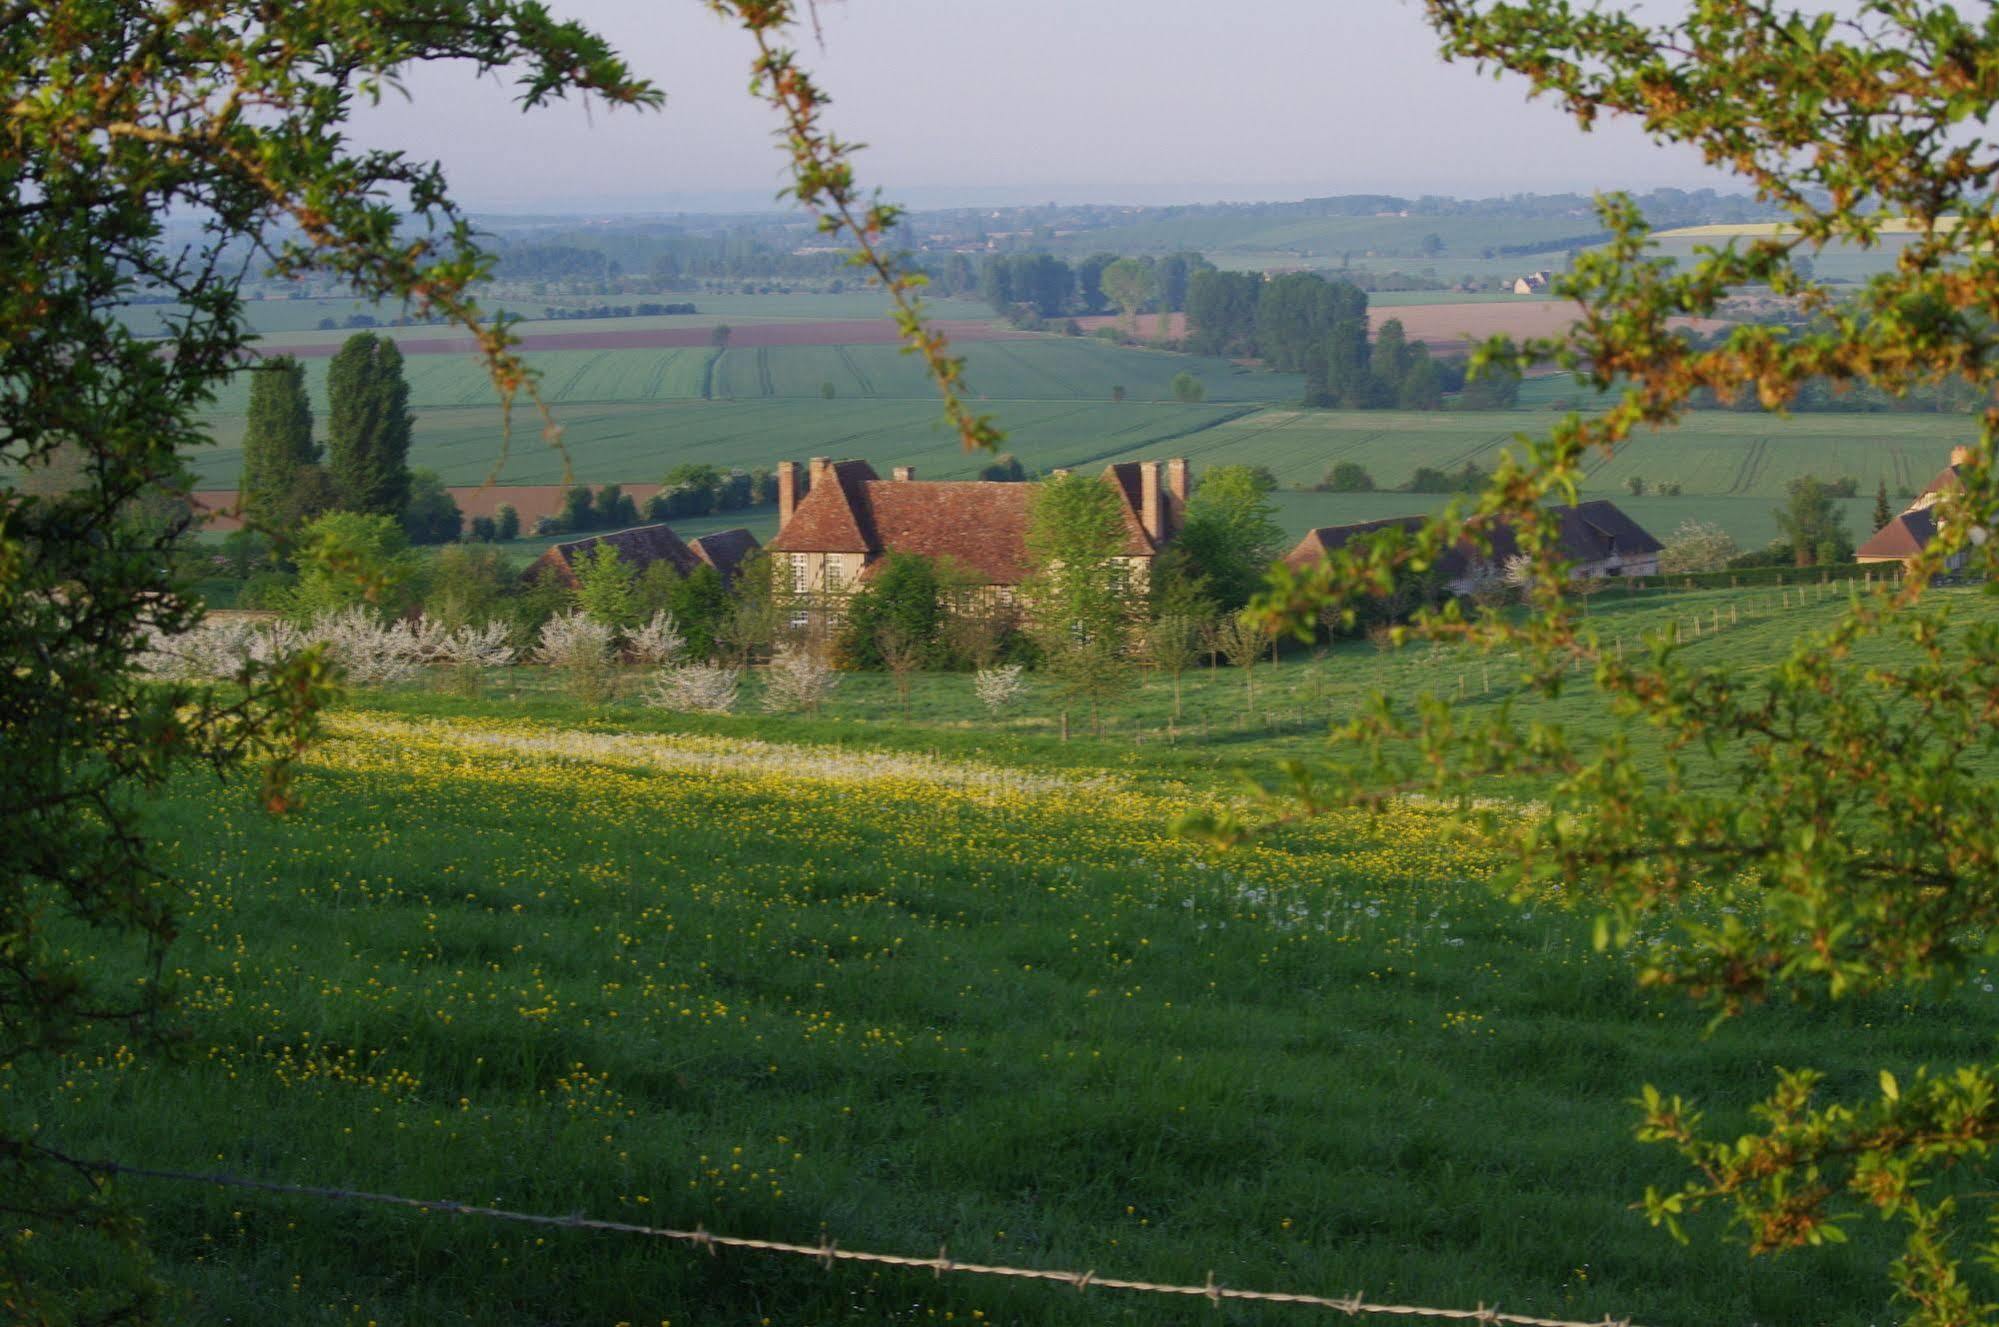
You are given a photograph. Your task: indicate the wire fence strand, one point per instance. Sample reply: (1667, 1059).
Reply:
(828, 1252)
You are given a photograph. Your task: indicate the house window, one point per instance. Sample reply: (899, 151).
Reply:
(800, 621)
(799, 577)
(832, 576)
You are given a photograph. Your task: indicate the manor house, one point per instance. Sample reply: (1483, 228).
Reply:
(837, 520)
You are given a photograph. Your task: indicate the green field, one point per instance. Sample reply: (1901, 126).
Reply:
(1242, 231)
(296, 321)
(630, 415)
(911, 982)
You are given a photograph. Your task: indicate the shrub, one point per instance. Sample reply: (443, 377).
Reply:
(694, 689)
(1347, 477)
(658, 642)
(999, 687)
(370, 651)
(579, 648)
(797, 679)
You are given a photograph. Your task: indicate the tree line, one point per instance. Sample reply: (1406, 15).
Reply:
(1303, 323)
(1043, 286)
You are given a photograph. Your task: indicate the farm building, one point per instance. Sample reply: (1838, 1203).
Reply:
(1534, 283)
(1901, 539)
(1596, 536)
(839, 519)
(644, 545)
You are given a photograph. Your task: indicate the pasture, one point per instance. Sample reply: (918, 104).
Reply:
(903, 981)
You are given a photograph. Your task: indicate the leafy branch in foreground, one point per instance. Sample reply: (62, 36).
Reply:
(823, 181)
(157, 152)
(1828, 826)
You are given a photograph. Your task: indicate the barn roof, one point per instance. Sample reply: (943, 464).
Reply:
(725, 550)
(1594, 531)
(639, 547)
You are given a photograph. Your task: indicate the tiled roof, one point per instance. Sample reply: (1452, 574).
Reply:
(830, 519)
(1589, 532)
(1903, 537)
(980, 524)
(725, 550)
(1947, 480)
(639, 547)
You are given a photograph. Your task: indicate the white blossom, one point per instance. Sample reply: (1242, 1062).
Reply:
(571, 640)
(370, 651)
(694, 688)
(797, 679)
(1000, 685)
(658, 641)
(484, 646)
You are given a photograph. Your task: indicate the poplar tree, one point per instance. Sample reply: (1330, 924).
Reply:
(368, 426)
(277, 439)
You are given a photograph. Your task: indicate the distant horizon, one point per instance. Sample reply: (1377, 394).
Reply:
(949, 198)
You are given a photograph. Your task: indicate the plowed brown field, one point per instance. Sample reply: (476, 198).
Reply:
(1443, 327)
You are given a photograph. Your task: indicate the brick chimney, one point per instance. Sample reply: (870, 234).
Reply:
(787, 492)
(1176, 478)
(904, 473)
(1149, 514)
(817, 469)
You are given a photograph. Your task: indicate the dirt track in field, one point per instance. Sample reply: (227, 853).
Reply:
(845, 332)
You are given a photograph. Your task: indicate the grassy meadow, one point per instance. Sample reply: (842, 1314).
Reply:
(903, 979)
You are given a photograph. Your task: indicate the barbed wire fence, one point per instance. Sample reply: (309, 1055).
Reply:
(828, 1253)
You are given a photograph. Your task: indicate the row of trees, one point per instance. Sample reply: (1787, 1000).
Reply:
(1044, 286)
(289, 476)
(1303, 323)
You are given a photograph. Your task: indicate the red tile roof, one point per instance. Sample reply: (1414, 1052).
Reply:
(980, 524)
(1903, 537)
(830, 518)
(1947, 481)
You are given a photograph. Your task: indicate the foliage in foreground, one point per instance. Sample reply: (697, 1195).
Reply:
(1857, 840)
(120, 114)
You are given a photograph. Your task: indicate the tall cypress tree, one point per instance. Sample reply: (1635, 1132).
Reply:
(368, 430)
(1390, 362)
(277, 438)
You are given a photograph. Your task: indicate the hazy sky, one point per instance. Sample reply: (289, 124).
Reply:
(1034, 101)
